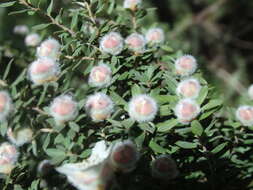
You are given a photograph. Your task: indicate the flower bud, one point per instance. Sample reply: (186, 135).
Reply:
(32, 40)
(245, 115)
(124, 156)
(142, 108)
(136, 42)
(185, 65)
(6, 105)
(99, 106)
(49, 48)
(63, 109)
(43, 70)
(186, 110)
(45, 167)
(100, 76)
(20, 137)
(131, 4)
(189, 88)
(21, 29)
(155, 36)
(8, 157)
(250, 92)
(112, 43)
(164, 167)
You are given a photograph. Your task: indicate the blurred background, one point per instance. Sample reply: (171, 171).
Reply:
(218, 32)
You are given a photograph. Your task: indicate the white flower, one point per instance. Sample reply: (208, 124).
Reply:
(136, 42)
(93, 173)
(189, 88)
(124, 156)
(20, 137)
(32, 40)
(112, 43)
(131, 4)
(142, 108)
(155, 36)
(250, 92)
(245, 115)
(99, 106)
(164, 167)
(63, 109)
(100, 76)
(49, 48)
(43, 70)
(186, 110)
(185, 65)
(6, 105)
(21, 29)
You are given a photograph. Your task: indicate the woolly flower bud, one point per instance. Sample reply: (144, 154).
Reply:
(124, 156)
(136, 42)
(112, 43)
(155, 35)
(250, 92)
(43, 70)
(8, 157)
(186, 110)
(164, 167)
(99, 106)
(49, 48)
(45, 167)
(131, 4)
(142, 108)
(20, 137)
(185, 65)
(63, 109)
(6, 105)
(32, 40)
(245, 115)
(100, 76)
(21, 29)
(189, 88)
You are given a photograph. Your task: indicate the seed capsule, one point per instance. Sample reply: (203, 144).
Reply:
(112, 43)
(142, 108)
(189, 88)
(99, 106)
(43, 70)
(136, 43)
(245, 115)
(185, 65)
(32, 40)
(49, 48)
(100, 76)
(186, 110)
(155, 36)
(6, 105)
(63, 109)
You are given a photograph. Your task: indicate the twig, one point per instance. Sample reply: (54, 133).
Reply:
(81, 58)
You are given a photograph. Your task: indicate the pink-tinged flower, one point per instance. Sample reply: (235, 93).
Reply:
(21, 29)
(189, 88)
(100, 76)
(136, 43)
(124, 156)
(49, 48)
(6, 105)
(250, 92)
(131, 4)
(63, 109)
(155, 36)
(185, 65)
(32, 40)
(245, 115)
(142, 108)
(164, 167)
(8, 157)
(20, 137)
(186, 110)
(112, 43)
(92, 174)
(43, 70)
(99, 106)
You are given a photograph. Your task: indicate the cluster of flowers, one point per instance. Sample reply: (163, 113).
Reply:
(98, 171)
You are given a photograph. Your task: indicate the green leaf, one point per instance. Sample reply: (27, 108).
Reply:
(7, 70)
(8, 4)
(167, 125)
(212, 104)
(53, 152)
(74, 126)
(186, 145)
(156, 147)
(41, 26)
(136, 90)
(202, 95)
(50, 7)
(196, 128)
(219, 148)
